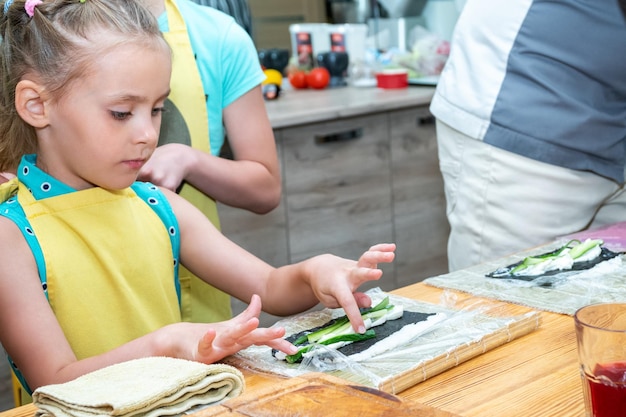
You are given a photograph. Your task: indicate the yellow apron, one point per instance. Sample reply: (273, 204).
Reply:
(125, 293)
(200, 302)
(92, 250)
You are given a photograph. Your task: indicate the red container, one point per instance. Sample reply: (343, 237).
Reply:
(396, 78)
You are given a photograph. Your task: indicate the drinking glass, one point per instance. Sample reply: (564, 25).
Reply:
(601, 337)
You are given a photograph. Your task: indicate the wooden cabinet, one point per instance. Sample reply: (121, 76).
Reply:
(419, 208)
(271, 19)
(263, 235)
(337, 186)
(350, 183)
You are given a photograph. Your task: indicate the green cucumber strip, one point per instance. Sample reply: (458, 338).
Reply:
(317, 335)
(352, 337)
(345, 328)
(526, 263)
(300, 340)
(339, 323)
(375, 315)
(577, 249)
(383, 304)
(582, 248)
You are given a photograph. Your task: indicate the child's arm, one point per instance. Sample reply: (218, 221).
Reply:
(28, 328)
(250, 181)
(32, 336)
(287, 290)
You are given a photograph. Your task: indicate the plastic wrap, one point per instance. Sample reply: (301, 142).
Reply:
(462, 334)
(562, 293)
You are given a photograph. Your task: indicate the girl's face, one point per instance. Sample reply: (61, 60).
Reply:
(106, 126)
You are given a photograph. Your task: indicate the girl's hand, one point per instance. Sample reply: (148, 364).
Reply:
(215, 341)
(335, 280)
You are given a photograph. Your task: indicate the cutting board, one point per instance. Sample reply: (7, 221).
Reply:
(320, 395)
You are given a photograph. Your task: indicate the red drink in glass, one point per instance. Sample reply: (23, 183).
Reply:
(606, 390)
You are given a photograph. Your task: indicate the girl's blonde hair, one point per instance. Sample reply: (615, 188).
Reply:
(53, 45)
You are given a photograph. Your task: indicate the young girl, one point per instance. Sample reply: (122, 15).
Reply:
(89, 256)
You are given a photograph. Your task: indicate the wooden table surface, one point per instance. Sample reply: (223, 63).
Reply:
(534, 375)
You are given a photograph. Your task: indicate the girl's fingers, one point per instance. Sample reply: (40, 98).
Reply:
(372, 258)
(205, 345)
(282, 345)
(362, 275)
(362, 300)
(254, 308)
(384, 247)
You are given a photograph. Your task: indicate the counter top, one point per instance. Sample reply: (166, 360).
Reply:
(297, 107)
(534, 375)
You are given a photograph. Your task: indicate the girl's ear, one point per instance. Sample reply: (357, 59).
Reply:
(30, 103)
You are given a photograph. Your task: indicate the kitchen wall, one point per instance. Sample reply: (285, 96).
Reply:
(271, 19)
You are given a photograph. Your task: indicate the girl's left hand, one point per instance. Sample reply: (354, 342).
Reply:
(338, 289)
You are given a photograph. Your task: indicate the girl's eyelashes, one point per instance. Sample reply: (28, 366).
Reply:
(123, 115)
(158, 110)
(120, 115)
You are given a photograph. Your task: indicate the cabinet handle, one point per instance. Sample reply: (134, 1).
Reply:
(339, 137)
(425, 120)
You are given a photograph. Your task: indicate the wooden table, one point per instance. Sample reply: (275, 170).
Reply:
(535, 375)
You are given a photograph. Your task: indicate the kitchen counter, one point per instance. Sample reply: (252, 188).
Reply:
(296, 107)
(534, 375)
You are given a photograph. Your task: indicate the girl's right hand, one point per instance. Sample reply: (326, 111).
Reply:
(215, 341)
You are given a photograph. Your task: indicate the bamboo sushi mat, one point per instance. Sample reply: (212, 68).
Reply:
(604, 283)
(467, 332)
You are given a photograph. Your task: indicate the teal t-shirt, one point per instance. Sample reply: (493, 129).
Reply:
(226, 58)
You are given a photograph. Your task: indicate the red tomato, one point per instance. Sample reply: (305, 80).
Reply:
(318, 78)
(298, 79)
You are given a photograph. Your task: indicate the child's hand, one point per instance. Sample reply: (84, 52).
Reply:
(168, 166)
(335, 280)
(215, 341)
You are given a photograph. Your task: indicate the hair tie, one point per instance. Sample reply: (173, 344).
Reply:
(7, 4)
(30, 6)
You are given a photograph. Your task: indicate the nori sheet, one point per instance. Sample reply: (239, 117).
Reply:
(384, 330)
(505, 272)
